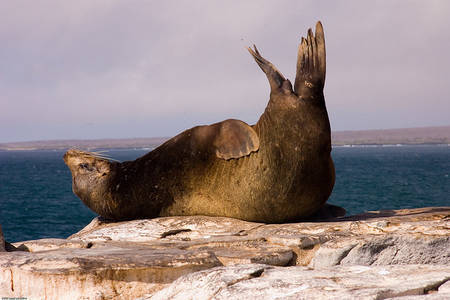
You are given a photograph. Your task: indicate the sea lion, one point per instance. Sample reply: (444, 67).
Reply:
(277, 170)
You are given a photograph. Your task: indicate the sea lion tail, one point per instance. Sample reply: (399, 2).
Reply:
(274, 76)
(311, 67)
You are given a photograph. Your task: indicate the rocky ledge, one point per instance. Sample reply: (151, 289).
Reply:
(401, 254)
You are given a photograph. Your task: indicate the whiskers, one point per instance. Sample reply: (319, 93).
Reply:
(94, 154)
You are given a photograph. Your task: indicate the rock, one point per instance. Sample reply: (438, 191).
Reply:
(392, 249)
(412, 236)
(226, 237)
(444, 288)
(340, 282)
(169, 228)
(399, 250)
(136, 258)
(331, 253)
(107, 272)
(49, 244)
(2, 241)
(439, 293)
(204, 285)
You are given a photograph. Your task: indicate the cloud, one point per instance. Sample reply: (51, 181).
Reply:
(92, 69)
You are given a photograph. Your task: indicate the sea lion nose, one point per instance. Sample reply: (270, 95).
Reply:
(67, 156)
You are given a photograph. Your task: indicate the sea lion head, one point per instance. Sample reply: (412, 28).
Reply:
(91, 173)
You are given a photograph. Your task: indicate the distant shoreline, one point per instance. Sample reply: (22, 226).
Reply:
(361, 138)
(151, 148)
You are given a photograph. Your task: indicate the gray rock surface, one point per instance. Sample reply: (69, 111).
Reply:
(131, 259)
(399, 250)
(340, 282)
(441, 292)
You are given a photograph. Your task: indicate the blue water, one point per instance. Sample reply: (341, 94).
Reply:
(36, 199)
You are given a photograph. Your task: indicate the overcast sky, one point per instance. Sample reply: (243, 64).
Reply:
(117, 69)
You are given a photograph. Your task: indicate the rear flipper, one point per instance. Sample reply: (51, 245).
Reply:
(310, 77)
(276, 79)
(311, 67)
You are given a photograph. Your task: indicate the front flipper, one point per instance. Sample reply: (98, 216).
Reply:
(227, 139)
(234, 139)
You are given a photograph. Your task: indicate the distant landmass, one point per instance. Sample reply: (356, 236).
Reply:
(85, 144)
(404, 136)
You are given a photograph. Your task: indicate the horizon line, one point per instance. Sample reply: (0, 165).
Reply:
(168, 137)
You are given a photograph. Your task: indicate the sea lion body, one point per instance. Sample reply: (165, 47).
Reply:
(278, 170)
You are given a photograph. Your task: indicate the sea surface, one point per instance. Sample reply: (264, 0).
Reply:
(36, 199)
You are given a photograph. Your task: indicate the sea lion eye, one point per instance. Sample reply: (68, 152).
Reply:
(86, 166)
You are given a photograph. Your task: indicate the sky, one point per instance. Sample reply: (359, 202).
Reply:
(122, 69)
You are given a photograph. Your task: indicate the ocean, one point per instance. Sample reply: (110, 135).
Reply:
(36, 199)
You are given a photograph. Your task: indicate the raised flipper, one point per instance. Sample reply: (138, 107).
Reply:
(234, 139)
(310, 78)
(276, 79)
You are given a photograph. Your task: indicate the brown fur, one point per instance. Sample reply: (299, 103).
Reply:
(278, 170)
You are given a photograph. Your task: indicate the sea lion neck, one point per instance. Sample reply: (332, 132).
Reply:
(284, 111)
(290, 124)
